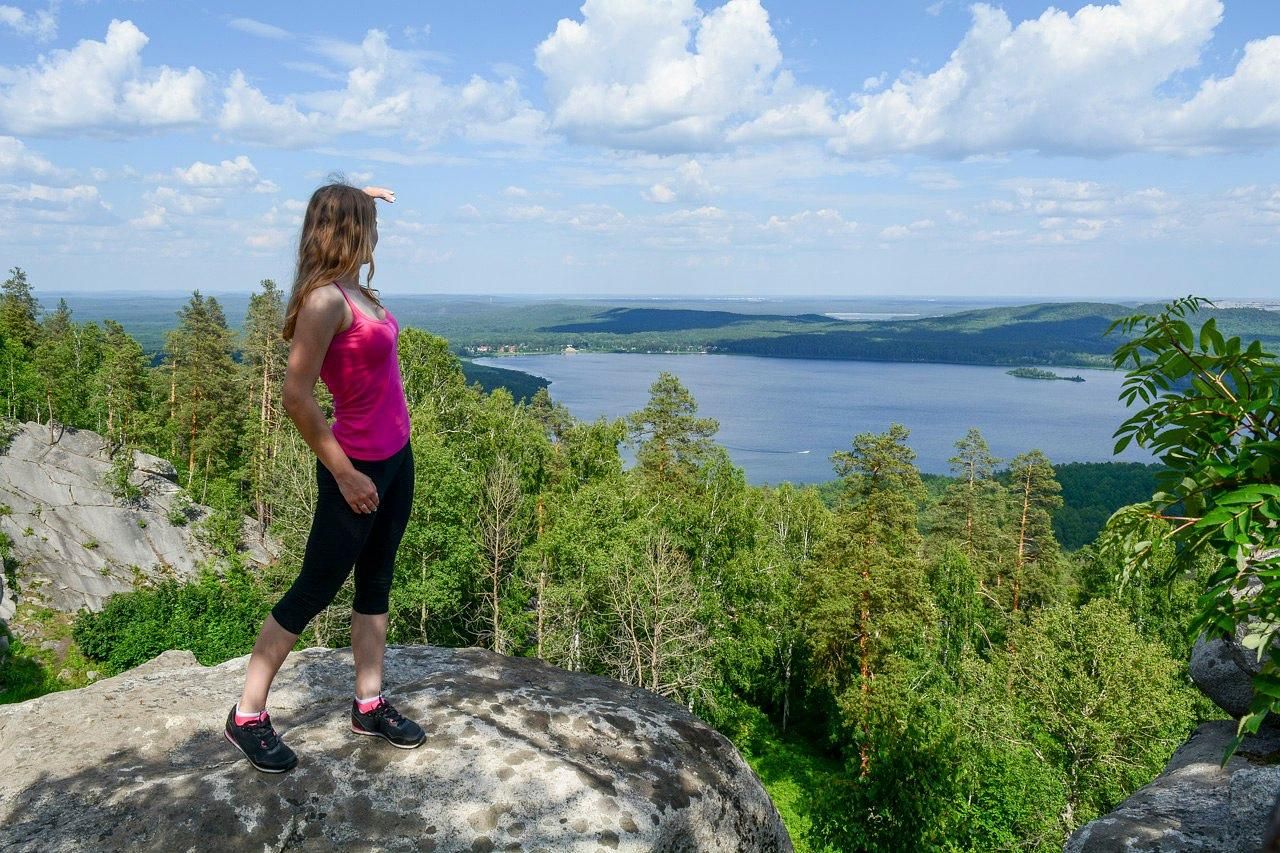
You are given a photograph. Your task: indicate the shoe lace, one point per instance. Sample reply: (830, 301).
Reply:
(387, 711)
(264, 732)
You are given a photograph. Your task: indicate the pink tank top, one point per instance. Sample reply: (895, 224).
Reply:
(362, 372)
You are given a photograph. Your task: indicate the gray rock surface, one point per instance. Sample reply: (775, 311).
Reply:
(1224, 671)
(1196, 804)
(520, 755)
(74, 541)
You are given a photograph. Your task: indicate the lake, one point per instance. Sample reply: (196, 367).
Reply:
(780, 419)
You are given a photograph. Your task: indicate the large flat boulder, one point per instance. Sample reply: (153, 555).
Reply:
(520, 755)
(1196, 804)
(75, 542)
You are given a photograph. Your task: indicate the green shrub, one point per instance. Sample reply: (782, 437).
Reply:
(181, 511)
(215, 618)
(118, 477)
(23, 676)
(221, 528)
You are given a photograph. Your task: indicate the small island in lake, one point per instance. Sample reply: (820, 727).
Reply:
(1038, 373)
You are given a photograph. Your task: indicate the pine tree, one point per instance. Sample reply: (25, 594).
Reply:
(120, 386)
(204, 409)
(969, 511)
(1035, 494)
(265, 355)
(65, 359)
(867, 598)
(955, 591)
(20, 388)
(19, 310)
(670, 439)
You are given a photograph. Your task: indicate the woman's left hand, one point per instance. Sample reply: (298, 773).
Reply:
(382, 193)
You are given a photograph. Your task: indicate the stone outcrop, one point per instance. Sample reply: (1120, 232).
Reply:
(1196, 804)
(520, 755)
(74, 541)
(1223, 669)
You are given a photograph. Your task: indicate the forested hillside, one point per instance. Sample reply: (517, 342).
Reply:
(908, 668)
(1060, 333)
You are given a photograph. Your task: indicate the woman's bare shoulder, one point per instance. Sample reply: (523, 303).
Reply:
(324, 307)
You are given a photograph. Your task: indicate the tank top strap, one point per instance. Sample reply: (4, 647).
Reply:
(355, 314)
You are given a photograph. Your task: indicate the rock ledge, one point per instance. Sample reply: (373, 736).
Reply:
(1196, 803)
(520, 755)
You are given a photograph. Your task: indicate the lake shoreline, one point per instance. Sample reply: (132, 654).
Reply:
(781, 418)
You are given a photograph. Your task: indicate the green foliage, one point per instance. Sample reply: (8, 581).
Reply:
(790, 769)
(1210, 415)
(181, 510)
(205, 417)
(670, 439)
(215, 618)
(1104, 723)
(1092, 492)
(118, 477)
(1038, 572)
(23, 676)
(221, 528)
(19, 310)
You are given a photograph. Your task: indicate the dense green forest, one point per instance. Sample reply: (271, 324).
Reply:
(519, 384)
(906, 666)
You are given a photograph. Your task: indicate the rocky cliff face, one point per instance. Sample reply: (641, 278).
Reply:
(1196, 804)
(520, 755)
(75, 543)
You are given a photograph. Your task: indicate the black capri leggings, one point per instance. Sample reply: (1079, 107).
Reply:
(341, 537)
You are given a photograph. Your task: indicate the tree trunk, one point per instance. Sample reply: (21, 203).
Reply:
(864, 673)
(1022, 540)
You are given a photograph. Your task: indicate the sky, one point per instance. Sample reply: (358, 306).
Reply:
(1115, 150)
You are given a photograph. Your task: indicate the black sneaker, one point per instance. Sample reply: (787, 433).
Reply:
(260, 744)
(385, 721)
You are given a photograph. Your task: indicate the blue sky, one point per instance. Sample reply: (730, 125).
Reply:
(653, 147)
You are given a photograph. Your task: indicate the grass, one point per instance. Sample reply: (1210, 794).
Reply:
(30, 671)
(789, 769)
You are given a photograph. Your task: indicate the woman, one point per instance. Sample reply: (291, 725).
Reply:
(364, 468)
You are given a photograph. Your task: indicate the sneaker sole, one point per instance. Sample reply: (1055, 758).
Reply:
(389, 740)
(255, 764)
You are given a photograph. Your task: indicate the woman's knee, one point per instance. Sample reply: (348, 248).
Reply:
(373, 595)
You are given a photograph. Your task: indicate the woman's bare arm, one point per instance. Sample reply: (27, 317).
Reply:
(319, 317)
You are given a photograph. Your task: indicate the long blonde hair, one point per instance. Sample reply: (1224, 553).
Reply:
(337, 239)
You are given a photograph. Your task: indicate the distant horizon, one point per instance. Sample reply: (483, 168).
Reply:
(42, 293)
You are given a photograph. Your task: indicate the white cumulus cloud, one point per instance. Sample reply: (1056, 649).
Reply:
(667, 76)
(80, 204)
(99, 86)
(386, 93)
(1084, 83)
(16, 159)
(689, 184)
(239, 173)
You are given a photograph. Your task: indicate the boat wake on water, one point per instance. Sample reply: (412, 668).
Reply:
(764, 450)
